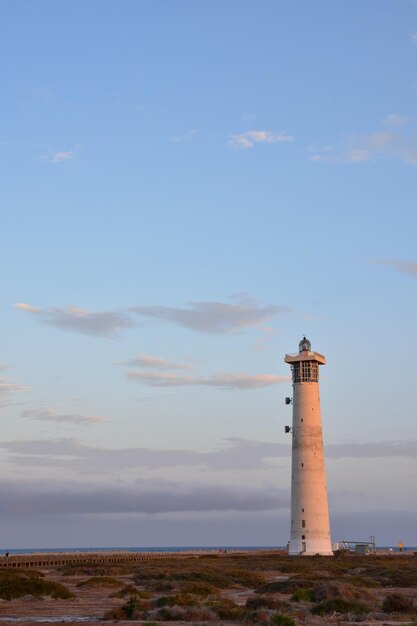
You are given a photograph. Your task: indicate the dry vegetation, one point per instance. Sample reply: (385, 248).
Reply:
(260, 588)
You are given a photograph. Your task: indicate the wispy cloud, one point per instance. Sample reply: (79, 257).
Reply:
(153, 362)
(185, 137)
(62, 155)
(391, 143)
(72, 318)
(248, 139)
(8, 388)
(406, 267)
(220, 381)
(50, 415)
(204, 317)
(395, 120)
(214, 317)
(414, 38)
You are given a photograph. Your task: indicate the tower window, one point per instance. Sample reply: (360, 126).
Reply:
(303, 523)
(305, 372)
(303, 536)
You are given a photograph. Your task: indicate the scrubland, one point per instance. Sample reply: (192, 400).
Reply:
(264, 589)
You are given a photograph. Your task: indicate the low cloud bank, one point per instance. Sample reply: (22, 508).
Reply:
(150, 498)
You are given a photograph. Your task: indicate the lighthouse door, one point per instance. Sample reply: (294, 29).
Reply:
(303, 546)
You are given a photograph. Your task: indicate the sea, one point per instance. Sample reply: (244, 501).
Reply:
(205, 549)
(136, 549)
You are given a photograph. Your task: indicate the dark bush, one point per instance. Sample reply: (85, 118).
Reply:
(263, 602)
(340, 606)
(397, 603)
(199, 589)
(303, 595)
(98, 581)
(165, 614)
(330, 590)
(132, 608)
(282, 620)
(226, 609)
(285, 586)
(129, 590)
(13, 585)
(163, 601)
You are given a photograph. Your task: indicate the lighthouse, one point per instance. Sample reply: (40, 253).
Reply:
(310, 526)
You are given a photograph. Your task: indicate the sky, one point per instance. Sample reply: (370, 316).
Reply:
(187, 188)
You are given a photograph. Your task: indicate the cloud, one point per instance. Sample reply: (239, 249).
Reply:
(249, 138)
(387, 143)
(370, 450)
(9, 387)
(71, 453)
(213, 317)
(204, 317)
(414, 38)
(406, 267)
(27, 307)
(50, 415)
(221, 381)
(395, 120)
(231, 454)
(153, 497)
(153, 362)
(63, 155)
(71, 318)
(186, 137)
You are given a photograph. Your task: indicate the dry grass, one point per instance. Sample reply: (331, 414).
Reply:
(207, 589)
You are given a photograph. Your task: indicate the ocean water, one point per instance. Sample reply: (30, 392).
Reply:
(136, 549)
(213, 549)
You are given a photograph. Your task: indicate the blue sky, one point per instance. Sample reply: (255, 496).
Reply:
(187, 189)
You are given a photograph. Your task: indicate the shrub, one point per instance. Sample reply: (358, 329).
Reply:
(263, 602)
(115, 614)
(97, 581)
(13, 585)
(132, 608)
(163, 601)
(303, 595)
(162, 586)
(129, 590)
(226, 609)
(285, 586)
(200, 589)
(397, 603)
(340, 606)
(282, 620)
(336, 590)
(165, 614)
(184, 599)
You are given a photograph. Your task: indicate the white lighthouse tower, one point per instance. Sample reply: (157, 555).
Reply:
(310, 526)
